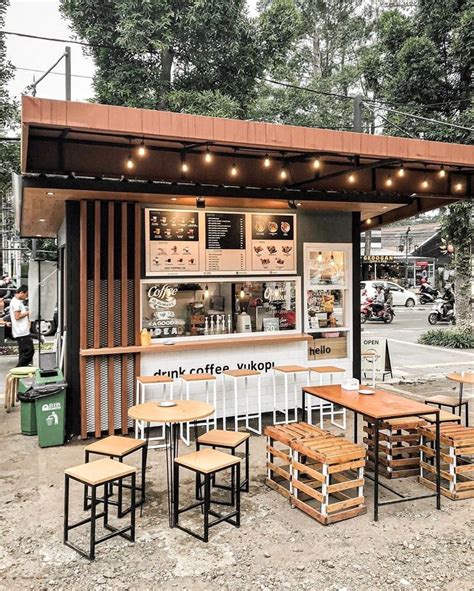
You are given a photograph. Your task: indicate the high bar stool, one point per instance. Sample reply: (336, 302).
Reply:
(207, 463)
(227, 440)
(142, 383)
(286, 371)
(11, 384)
(243, 375)
(199, 378)
(118, 448)
(325, 408)
(95, 474)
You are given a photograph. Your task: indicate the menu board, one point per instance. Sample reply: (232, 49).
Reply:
(273, 244)
(173, 242)
(225, 242)
(191, 242)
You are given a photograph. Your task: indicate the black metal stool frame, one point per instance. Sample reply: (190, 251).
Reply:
(94, 516)
(453, 406)
(244, 485)
(205, 503)
(119, 503)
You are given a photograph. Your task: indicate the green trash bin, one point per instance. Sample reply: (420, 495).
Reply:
(28, 410)
(50, 402)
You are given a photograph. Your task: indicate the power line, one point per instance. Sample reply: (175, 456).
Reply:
(389, 122)
(54, 73)
(57, 40)
(427, 119)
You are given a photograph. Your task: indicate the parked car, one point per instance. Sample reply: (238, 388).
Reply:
(401, 296)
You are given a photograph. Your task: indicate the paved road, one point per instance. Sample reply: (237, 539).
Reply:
(409, 359)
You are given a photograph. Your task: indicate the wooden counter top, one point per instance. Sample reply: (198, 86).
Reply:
(280, 338)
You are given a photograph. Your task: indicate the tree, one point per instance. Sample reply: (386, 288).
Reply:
(181, 54)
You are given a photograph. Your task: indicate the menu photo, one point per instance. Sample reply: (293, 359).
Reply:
(273, 243)
(173, 244)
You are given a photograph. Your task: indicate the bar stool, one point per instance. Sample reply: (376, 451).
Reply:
(243, 375)
(207, 463)
(142, 383)
(116, 447)
(287, 370)
(99, 473)
(199, 378)
(371, 355)
(450, 402)
(11, 384)
(325, 408)
(227, 440)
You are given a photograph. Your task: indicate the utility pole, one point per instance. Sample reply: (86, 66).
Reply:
(67, 61)
(357, 127)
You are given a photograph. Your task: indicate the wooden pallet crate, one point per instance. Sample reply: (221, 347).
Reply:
(328, 478)
(279, 453)
(399, 446)
(457, 460)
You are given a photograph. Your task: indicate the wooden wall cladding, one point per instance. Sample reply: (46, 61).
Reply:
(109, 291)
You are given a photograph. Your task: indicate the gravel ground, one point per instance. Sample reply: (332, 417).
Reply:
(413, 546)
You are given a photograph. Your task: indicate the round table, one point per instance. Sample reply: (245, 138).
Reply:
(464, 377)
(184, 411)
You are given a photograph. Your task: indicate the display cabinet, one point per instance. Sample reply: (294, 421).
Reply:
(225, 306)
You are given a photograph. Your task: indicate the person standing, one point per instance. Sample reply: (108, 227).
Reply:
(19, 317)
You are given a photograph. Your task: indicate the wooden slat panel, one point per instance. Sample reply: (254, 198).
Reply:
(96, 318)
(110, 314)
(83, 312)
(308, 490)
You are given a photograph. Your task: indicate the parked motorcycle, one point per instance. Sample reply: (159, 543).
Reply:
(367, 313)
(440, 312)
(428, 294)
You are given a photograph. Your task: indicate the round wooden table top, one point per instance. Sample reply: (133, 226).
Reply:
(184, 411)
(464, 377)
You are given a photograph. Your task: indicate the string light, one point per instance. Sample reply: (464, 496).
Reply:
(458, 186)
(208, 156)
(206, 292)
(242, 292)
(142, 149)
(233, 170)
(266, 161)
(442, 172)
(401, 171)
(184, 164)
(351, 178)
(320, 257)
(283, 173)
(129, 164)
(425, 183)
(389, 181)
(332, 261)
(368, 221)
(317, 163)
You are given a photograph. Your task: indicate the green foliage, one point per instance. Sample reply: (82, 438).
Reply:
(453, 339)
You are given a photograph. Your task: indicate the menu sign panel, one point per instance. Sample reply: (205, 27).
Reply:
(190, 242)
(225, 242)
(173, 242)
(273, 243)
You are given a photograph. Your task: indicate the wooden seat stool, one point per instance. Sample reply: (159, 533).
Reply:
(94, 475)
(280, 455)
(237, 376)
(143, 383)
(457, 460)
(326, 470)
(325, 408)
(232, 440)
(207, 463)
(399, 446)
(286, 371)
(118, 448)
(11, 384)
(451, 403)
(211, 397)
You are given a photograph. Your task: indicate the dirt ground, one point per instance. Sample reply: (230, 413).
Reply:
(412, 547)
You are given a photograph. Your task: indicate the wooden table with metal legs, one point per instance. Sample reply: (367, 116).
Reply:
(379, 407)
(183, 411)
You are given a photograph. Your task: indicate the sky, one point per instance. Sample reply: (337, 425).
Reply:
(42, 17)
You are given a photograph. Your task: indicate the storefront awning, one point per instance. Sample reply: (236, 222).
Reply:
(88, 151)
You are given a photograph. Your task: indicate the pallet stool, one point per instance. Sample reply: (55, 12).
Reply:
(238, 376)
(95, 474)
(280, 454)
(457, 460)
(228, 440)
(326, 471)
(325, 408)
(11, 384)
(286, 371)
(399, 446)
(167, 394)
(451, 403)
(199, 378)
(207, 463)
(118, 448)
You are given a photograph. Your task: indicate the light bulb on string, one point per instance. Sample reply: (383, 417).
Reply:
(368, 221)
(442, 172)
(332, 261)
(208, 156)
(130, 164)
(352, 179)
(184, 164)
(317, 163)
(242, 292)
(283, 174)
(389, 181)
(142, 149)
(320, 257)
(233, 170)
(425, 183)
(206, 292)
(266, 161)
(458, 186)
(401, 171)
